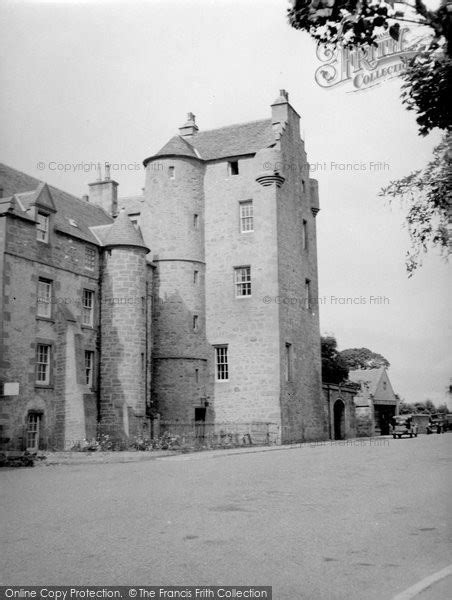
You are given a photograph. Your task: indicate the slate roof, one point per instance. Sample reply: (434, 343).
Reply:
(370, 376)
(123, 233)
(177, 146)
(132, 204)
(68, 207)
(233, 140)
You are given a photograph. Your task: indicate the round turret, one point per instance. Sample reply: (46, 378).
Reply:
(173, 222)
(124, 323)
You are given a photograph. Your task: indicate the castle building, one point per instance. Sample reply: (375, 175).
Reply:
(195, 301)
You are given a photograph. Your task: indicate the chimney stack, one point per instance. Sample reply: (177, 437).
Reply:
(190, 127)
(104, 193)
(282, 111)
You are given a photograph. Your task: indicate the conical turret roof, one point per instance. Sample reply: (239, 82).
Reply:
(177, 146)
(124, 233)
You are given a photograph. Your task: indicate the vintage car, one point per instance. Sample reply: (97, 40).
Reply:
(437, 424)
(403, 425)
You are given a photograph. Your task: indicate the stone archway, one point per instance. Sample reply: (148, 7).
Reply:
(339, 420)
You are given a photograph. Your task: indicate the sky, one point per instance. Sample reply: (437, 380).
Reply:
(91, 82)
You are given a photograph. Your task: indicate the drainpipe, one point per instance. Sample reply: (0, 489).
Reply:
(146, 353)
(99, 341)
(329, 412)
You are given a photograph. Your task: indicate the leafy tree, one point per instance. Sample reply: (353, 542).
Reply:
(428, 193)
(405, 408)
(427, 90)
(334, 369)
(427, 407)
(363, 358)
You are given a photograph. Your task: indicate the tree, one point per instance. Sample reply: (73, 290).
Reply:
(427, 90)
(334, 369)
(427, 193)
(363, 358)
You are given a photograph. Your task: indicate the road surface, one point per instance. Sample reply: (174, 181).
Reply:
(317, 522)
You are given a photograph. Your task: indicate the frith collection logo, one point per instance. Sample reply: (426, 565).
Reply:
(364, 68)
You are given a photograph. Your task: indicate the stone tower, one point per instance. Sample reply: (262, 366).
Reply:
(173, 221)
(230, 214)
(123, 326)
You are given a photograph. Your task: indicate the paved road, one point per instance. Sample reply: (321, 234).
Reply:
(318, 522)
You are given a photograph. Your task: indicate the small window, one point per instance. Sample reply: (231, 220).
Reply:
(305, 234)
(196, 221)
(221, 362)
(195, 277)
(196, 375)
(43, 364)
(90, 258)
(307, 294)
(171, 173)
(246, 216)
(143, 363)
(195, 322)
(303, 185)
(44, 308)
(89, 367)
(242, 281)
(135, 219)
(88, 308)
(42, 228)
(233, 167)
(288, 362)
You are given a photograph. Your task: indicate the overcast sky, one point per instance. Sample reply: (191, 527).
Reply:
(88, 82)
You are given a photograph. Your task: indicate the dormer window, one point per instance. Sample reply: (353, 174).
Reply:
(233, 167)
(134, 218)
(42, 228)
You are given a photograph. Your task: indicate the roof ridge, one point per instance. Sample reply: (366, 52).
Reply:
(52, 187)
(201, 131)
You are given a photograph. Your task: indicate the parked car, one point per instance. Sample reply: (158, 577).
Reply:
(403, 425)
(437, 424)
(449, 421)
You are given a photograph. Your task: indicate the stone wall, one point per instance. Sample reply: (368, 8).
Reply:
(172, 223)
(123, 340)
(247, 325)
(301, 397)
(344, 394)
(62, 261)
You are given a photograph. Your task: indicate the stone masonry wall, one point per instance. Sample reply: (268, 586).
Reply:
(247, 325)
(61, 261)
(301, 397)
(172, 222)
(123, 340)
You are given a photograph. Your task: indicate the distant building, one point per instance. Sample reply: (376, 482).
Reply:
(375, 402)
(195, 301)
